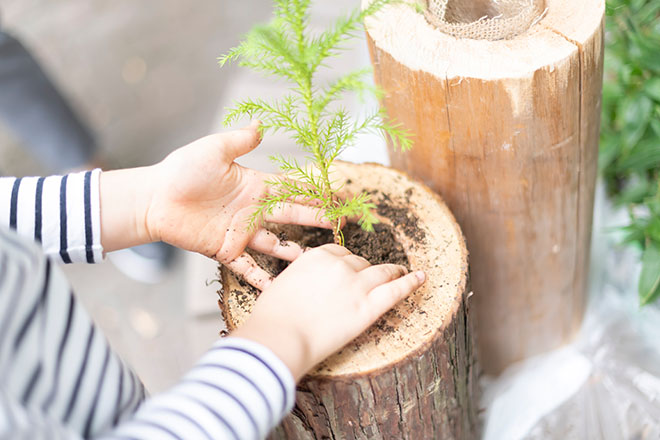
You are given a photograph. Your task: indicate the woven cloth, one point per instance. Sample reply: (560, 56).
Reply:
(484, 19)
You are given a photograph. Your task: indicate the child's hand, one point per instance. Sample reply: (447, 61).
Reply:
(200, 200)
(322, 301)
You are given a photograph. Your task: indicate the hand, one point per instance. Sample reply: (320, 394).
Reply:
(200, 200)
(322, 301)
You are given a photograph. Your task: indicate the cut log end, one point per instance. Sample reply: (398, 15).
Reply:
(412, 374)
(438, 248)
(408, 36)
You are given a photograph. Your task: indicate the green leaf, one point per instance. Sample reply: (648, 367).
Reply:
(649, 280)
(610, 150)
(636, 113)
(637, 4)
(351, 82)
(653, 202)
(329, 42)
(633, 233)
(652, 87)
(655, 126)
(649, 13)
(634, 191)
(653, 229)
(649, 58)
(643, 156)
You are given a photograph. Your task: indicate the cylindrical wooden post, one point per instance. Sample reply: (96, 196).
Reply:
(507, 132)
(412, 374)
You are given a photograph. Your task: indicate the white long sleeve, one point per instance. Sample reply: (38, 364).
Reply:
(61, 212)
(59, 378)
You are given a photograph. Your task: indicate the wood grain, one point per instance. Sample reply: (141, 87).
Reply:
(507, 132)
(411, 375)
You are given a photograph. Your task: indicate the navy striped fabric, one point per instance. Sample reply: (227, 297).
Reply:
(61, 212)
(59, 378)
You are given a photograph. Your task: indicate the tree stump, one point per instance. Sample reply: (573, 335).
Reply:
(411, 375)
(507, 132)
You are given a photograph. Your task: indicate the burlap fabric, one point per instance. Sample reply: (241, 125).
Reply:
(484, 19)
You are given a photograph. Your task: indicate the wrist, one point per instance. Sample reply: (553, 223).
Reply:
(126, 197)
(286, 343)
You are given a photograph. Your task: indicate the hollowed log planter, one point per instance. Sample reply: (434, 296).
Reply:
(507, 132)
(411, 375)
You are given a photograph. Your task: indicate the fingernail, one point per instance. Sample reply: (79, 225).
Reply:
(421, 276)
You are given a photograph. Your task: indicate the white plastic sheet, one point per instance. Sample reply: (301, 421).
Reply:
(604, 385)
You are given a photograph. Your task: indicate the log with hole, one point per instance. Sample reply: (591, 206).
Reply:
(412, 374)
(507, 132)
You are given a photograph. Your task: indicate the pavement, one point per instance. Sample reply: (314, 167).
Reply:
(144, 75)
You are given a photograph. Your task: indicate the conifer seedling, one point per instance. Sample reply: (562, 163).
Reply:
(310, 113)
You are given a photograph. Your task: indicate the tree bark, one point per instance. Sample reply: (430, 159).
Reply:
(426, 396)
(412, 375)
(507, 132)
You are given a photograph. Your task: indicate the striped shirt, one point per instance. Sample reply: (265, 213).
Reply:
(59, 378)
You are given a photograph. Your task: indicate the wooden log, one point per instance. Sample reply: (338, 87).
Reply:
(507, 132)
(412, 374)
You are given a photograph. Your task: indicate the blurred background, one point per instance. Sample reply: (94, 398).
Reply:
(144, 77)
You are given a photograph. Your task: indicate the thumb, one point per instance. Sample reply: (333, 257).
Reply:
(239, 142)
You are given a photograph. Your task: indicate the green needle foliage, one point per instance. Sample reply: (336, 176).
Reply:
(286, 49)
(630, 137)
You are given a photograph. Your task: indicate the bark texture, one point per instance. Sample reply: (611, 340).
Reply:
(413, 374)
(507, 132)
(430, 395)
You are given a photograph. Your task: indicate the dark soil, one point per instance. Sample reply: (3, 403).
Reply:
(378, 247)
(400, 215)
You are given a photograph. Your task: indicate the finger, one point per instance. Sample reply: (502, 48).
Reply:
(268, 243)
(357, 262)
(385, 296)
(374, 276)
(239, 142)
(291, 213)
(335, 249)
(245, 266)
(236, 239)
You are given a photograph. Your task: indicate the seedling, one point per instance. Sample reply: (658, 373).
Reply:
(286, 49)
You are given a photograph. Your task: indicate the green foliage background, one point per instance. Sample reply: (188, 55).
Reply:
(630, 135)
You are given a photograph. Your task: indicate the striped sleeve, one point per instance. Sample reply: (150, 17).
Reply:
(238, 390)
(57, 371)
(61, 212)
(59, 378)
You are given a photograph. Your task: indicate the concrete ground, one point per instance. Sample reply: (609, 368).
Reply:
(144, 75)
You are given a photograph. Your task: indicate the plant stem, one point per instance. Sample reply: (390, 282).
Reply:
(338, 236)
(322, 163)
